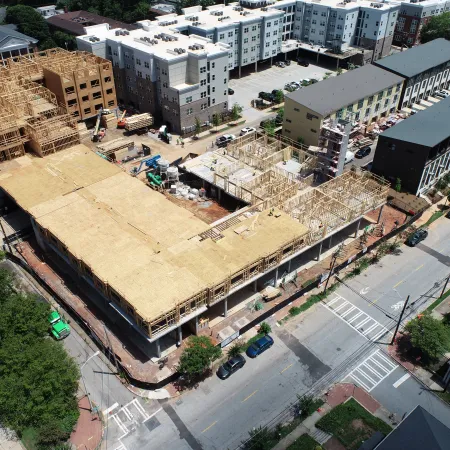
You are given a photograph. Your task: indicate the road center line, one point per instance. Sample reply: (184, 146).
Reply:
(251, 395)
(418, 267)
(401, 380)
(398, 284)
(206, 429)
(286, 368)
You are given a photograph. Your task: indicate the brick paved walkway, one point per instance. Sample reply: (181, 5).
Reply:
(89, 429)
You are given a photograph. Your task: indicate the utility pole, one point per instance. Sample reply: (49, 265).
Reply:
(111, 350)
(333, 263)
(84, 382)
(445, 286)
(399, 320)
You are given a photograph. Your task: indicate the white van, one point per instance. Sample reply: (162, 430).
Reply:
(349, 157)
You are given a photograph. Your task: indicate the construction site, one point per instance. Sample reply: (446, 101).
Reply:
(156, 267)
(44, 94)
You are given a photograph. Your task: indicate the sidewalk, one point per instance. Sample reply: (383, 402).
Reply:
(88, 432)
(338, 394)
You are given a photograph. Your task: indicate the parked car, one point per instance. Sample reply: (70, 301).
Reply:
(230, 91)
(302, 62)
(448, 214)
(222, 141)
(231, 366)
(349, 157)
(444, 94)
(247, 130)
(363, 152)
(259, 346)
(280, 64)
(416, 237)
(266, 96)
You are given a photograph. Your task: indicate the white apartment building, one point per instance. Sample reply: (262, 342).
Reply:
(176, 78)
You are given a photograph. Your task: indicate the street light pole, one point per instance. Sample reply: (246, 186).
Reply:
(82, 377)
(445, 286)
(399, 321)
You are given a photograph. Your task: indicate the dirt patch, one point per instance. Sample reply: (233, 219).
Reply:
(333, 444)
(209, 211)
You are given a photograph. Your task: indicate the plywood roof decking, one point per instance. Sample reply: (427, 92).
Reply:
(132, 237)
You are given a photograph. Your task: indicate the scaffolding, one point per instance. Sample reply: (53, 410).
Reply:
(11, 142)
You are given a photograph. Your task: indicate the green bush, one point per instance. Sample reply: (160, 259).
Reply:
(265, 328)
(236, 349)
(253, 339)
(308, 282)
(304, 442)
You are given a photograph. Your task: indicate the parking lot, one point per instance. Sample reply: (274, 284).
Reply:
(247, 88)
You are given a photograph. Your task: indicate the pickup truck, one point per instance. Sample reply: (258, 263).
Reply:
(59, 328)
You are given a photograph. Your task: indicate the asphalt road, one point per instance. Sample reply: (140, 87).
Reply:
(324, 346)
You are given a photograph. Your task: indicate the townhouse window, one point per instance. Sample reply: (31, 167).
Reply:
(230, 34)
(213, 77)
(189, 99)
(389, 92)
(139, 74)
(224, 81)
(138, 61)
(128, 66)
(267, 35)
(203, 106)
(246, 41)
(203, 83)
(213, 65)
(245, 30)
(269, 24)
(203, 95)
(189, 111)
(253, 38)
(213, 89)
(360, 104)
(370, 100)
(202, 69)
(380, 95)
(213, 101)
(222, 36)
(254, 28)
(147, 64)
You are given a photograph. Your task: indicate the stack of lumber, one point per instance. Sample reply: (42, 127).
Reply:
(138, 121)
(83, 131)
(109, 121)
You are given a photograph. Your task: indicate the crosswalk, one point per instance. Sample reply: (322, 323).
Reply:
(360, 321)
(372, 371)
(129, 417)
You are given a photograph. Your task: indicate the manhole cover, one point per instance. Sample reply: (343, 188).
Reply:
(338, 349)
(152, 423)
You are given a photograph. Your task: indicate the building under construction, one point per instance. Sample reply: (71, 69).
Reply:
(158, 267)
(43, 94)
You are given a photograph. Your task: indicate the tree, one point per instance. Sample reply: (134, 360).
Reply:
(327, 75)
(64, 40)
(398, 185)
(429, 335)
(265, 328)
(197, 356)
(236, 111)
(216, 120)
(236, 349)
(31, 23)
(280, 113)
(38, 379)
(197, 127)
(269, 128)
(300, 140)
(278, 96)
(260, 439)
(339, 71)
(437, 27)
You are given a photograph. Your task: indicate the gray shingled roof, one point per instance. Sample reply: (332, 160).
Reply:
(419, 431)
(337, 92)
(428, 127)
(6, 32)
(417, 59)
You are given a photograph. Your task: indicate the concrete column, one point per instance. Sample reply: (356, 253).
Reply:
(337, 63)
(320, 251)
(225, 307)
(289, 265)
(331, 241)
(285, 56)
(256, 66)
(219, 194)
(357, 227)
(239, 71)
(271, 60)
(379, 214)
(317, 59)
(255, 286)
(196, 325)
(276, 276)
(158, 349)
(179, 336)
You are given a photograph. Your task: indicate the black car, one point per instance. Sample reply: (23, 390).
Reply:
(231, 366)
(259, 346)
(363, 152)
(302, 62)
(230, 91)
(416, 237)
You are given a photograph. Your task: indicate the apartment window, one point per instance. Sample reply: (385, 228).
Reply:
(138, 61)
(245, 40)
(203, 95)
(370, 100)
(213, 77)
(139, 74)
(269, 24)
(254, 28)
(222, 36)
(213, 89)
(87, 110)
(83, 86)
(386, 102)
(203, 83)
(245, 30)
(389, 92)
(189, 111)
(360, 104)
(213, 101)
(253, 38)
(230, 34)
(127, 66)
(380, 95)
(85, 98)
(213, 65)
(296, 109)
(147, 76)
(267, 35)
(224, 92)
(203, 106)
(224, 81)
(202, 69)
(367, 112)
(189, 99)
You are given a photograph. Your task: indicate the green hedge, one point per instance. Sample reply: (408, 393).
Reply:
(304, 442)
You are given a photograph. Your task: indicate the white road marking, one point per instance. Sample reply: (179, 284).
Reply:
(154, 414)
(354, 317)
(364, 291)
(372, 371)
(121, 447)
(401, 380)
(111, 408)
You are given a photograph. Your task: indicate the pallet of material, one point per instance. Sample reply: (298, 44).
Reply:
(83, 131)
(138, 121)
(115, 145)
(109, 121)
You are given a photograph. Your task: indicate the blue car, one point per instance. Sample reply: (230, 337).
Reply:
(259, 346)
